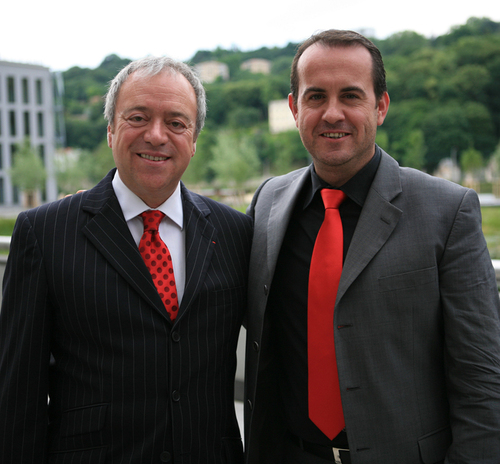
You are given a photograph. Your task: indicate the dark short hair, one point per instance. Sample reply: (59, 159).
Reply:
(339, 38)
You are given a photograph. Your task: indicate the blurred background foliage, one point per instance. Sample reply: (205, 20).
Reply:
(445, 102)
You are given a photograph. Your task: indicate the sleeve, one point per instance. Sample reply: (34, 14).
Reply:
(471, 310)
(24, 351)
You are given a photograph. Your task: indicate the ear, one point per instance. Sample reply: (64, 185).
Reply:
(194, 149)
(293, 108)
(383, 108)
(110, 136)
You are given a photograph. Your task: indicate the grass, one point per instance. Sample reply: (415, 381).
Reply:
(491, 229)
(7, 226)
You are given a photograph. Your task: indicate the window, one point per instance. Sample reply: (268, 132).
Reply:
(40, 124)
(27, 130)
(39, 96)
(12, 123)
(11, 90)
(13, 150)
(1, 156)
(41, 152)
(26, 97)
(15, 190)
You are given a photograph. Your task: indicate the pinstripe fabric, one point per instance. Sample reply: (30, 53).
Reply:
(82, 322)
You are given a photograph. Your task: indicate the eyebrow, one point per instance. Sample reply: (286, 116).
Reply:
(172, 114)
(352, 88)
(313, 90)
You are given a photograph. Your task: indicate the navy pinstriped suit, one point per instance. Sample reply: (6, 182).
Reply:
(125, 385)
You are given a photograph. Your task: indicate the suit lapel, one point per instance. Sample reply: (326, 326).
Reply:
(109, 233)
(201, 239)
(281, 211)
(376, 223)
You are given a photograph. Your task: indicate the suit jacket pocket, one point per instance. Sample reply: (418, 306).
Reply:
(88, 456)
(233, 450)
(434, 445)
(408, 279)
(78, 428)
(233, 297)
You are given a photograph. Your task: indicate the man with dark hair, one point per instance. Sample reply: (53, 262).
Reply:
(374, 316)
(122, 305)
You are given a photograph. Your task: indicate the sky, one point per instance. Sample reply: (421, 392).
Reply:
(60, 34)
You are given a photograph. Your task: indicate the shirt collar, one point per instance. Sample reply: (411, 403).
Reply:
(356, 188)
(132, 205)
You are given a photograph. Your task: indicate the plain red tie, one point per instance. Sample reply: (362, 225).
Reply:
(158, 260)
(325, 406)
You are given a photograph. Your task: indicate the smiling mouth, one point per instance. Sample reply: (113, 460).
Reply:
(153, 158)
(336, 135)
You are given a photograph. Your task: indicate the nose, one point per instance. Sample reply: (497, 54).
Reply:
(333, 111)
(156, 133)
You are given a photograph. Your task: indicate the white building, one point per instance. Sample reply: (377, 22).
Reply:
(280, 117)
(209, 71)
(256, 66)
(26, 110)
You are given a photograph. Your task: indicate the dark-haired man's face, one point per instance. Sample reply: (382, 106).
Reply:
(336, 111)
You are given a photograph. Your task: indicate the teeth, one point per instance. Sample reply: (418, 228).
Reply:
(337, 135)
(152, 158)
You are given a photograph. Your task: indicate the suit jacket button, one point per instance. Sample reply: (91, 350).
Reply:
(176, 396)
(165, 456)
(176, 337)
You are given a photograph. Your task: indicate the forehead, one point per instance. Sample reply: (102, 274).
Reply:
(334, 64)
(164, 88)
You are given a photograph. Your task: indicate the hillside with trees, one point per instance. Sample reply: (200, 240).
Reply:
(445, 102)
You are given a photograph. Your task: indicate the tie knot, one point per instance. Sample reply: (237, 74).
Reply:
(152, 219)
(332, 198)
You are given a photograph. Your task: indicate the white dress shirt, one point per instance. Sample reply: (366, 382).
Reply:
(171, 227)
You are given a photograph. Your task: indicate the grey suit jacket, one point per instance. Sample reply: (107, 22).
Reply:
(418, 324)
(125, 385)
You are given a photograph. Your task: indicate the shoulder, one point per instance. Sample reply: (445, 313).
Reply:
(265, 191)
(283, 180)
(414, 185)
(435, 192)
(68, 211)
(215, 211)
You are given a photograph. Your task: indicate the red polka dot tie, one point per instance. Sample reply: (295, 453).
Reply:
(158, 260)
(325, 405)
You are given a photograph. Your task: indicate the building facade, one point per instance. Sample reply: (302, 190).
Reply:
(209, 71)
(26, 110)
(280, 117)
(257, 66)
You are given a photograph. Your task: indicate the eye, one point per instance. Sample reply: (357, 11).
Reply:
(136, 119)
(177, 126)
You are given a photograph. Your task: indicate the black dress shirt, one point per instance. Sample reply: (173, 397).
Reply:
(287, 303)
